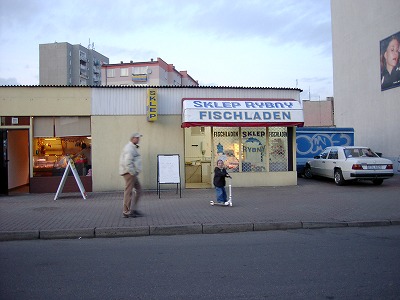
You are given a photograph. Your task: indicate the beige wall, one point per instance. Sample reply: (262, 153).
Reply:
(318, 113)
(264, 179)
(111, 133)
(45, 101)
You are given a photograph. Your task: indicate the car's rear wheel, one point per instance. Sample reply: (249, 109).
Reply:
(377, 181)
(339, 180)
(307, 173)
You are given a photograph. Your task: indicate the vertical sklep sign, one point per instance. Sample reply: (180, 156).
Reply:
(151, 106)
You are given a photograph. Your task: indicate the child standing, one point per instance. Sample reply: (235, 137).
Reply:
(219, 181)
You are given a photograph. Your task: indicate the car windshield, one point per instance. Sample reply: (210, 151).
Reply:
(359, 152)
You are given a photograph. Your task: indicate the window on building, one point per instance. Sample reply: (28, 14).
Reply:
(124, 72)
(139, 74)
(278, 149)
(110, 73)
(196, 131)
(56, 139)
(139, 70)
(226, 143)
(252, 149)
(82, 56)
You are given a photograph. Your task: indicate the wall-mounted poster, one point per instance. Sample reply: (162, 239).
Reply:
(390, 66)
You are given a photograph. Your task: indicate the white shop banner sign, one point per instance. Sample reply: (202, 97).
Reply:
(241, 112)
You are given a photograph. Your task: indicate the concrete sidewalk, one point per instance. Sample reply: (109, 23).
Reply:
(315, 203)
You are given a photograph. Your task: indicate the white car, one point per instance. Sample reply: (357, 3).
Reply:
(349, 163)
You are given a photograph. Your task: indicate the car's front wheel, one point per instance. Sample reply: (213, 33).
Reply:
(307, 173)
(339, 180)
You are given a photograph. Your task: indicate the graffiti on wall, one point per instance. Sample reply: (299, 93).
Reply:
(310, 145)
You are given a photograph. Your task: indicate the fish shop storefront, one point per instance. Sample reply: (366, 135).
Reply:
(251, 129)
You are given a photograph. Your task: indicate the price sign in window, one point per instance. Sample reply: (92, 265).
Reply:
(278, 145)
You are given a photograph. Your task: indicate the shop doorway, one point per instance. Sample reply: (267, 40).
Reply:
(14, 169)
(198, 157)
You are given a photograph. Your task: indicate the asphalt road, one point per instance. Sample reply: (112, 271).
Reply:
(330, 263)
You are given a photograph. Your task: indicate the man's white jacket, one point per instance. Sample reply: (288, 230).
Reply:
(130, 160)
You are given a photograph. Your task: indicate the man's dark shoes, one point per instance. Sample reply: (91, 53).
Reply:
(133, 214)
(136, 214)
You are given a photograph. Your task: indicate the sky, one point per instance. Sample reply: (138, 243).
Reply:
(241, 43)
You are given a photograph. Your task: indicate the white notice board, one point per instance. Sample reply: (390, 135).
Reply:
(168, 168)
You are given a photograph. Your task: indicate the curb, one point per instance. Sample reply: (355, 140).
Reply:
(227, 228)
(395, 222)
(316, 225)
(121, 232)
(110, 232)
(176, 229)
(66, 234)
(19, 235)
(277, 226)
(370, 223)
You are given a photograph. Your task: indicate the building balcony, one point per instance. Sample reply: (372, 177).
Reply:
(82, 56)
(139, 77)
(96, 70)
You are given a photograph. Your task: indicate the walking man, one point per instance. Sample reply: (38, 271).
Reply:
(130, 165)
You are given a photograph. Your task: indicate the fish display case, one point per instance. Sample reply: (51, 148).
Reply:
(55, 165)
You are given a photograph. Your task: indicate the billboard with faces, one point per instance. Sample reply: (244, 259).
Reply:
(390, 66)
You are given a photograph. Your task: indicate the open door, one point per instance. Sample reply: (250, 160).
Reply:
(198, 157)
(3, 163)
(14, 161)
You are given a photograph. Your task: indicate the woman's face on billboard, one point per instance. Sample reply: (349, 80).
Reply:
(392, 53)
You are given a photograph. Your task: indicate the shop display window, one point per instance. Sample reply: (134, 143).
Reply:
(226, 141)
(51, 155)
(251, 149)
(278, 146)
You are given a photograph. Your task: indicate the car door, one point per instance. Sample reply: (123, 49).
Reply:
(330, 163)
(318, 165)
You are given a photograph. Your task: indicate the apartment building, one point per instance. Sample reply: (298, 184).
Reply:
(361, 33)
(150, 73)
(66, 64)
